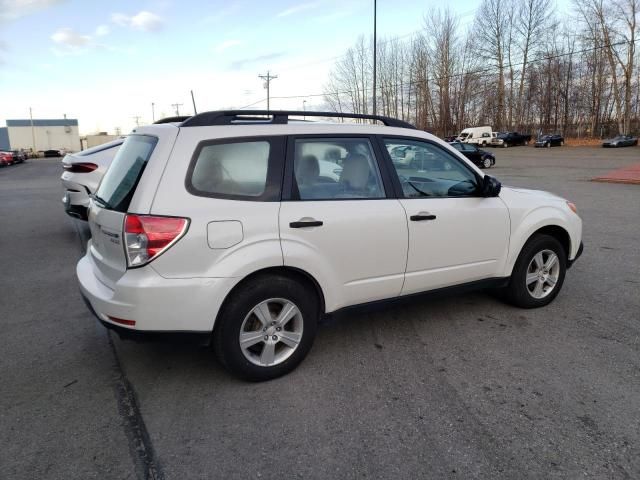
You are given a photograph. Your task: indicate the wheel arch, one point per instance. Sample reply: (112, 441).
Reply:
(555, 230)
(291, 272)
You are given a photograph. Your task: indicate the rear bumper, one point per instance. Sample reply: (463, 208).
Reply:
(156, 304)
(197, 338)
(75, 211)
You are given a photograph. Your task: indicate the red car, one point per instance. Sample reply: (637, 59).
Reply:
(6, 158)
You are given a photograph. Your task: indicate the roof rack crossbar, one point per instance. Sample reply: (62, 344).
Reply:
(229, 117)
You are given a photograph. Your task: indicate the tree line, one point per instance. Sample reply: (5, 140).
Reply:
(521, 65)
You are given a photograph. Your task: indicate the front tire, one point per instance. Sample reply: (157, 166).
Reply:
(548, 145)
(266, 327)
(538, 274)
(486, 163)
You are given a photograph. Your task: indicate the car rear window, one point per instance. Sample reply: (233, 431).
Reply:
(120, 181)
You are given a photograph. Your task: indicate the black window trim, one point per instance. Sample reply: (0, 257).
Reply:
(396, 180)
(134, 187)
(290, 191)
(275, 166)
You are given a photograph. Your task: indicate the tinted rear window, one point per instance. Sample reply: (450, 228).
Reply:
(120, 181)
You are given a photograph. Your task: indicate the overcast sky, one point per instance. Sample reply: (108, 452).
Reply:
(106, 62)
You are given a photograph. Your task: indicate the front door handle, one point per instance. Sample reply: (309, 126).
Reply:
(306, 223)
(421, 217)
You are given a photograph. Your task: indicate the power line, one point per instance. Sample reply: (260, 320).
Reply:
(252, 104)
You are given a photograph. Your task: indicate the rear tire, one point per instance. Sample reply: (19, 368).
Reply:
(538, 274)
(272, 344)
(486, 163)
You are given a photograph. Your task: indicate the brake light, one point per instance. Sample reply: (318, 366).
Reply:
(80, 167)
(147, 236)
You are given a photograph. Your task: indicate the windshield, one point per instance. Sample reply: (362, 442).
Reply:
(119, 183)
(463, 135)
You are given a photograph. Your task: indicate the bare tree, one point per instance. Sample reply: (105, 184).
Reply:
(491, 30)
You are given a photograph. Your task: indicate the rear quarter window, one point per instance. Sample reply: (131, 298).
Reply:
(243, 169)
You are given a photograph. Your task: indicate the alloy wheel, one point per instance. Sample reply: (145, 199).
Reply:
(542, 274)
(271, 332)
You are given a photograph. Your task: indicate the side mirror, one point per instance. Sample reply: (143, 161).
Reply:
(490, 186)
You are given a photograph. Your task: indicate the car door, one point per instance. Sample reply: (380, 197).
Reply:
(347, 231)
(455, 235)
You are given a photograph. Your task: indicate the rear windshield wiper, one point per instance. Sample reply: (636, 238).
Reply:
(101, 200)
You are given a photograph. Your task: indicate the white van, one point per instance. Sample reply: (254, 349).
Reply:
(477, 135)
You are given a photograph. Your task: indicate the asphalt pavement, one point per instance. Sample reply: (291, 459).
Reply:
(459, 387)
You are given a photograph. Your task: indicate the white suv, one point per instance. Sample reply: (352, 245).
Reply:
(225, 226)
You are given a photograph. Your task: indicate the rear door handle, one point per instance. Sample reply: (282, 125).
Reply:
(421, 217)
(306, 223)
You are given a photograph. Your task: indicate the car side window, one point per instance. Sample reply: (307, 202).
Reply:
(233, 169)
(434, 172)
(338, 168)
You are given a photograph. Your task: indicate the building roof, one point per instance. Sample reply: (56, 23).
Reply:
(49, 122)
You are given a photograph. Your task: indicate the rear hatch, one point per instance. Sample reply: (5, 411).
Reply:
(112, 202)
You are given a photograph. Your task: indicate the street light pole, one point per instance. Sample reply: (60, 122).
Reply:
(153, 112)
(33, 131)
(375, 48)
(304, 109)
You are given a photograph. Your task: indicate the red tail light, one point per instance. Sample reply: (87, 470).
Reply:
(147, 236)
(80, 167)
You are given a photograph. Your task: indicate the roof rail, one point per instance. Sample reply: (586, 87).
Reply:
(179, 119)
(229, 117)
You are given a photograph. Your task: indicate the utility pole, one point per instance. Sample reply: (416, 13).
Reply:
(33, 131)
(153, 112)
(304, 108)
(195, 112)
(375, 48)
(267, 81)
(177, 107)
(137, 119)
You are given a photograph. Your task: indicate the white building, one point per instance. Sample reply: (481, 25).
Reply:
(48, 134)
(95, 139)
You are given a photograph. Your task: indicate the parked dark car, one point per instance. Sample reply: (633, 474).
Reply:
(19, 156)
(480, 157)
(550, 141)
(52, 153)
(510, 139)
(620, 141)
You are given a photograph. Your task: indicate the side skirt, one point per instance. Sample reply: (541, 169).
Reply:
(378, 305)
